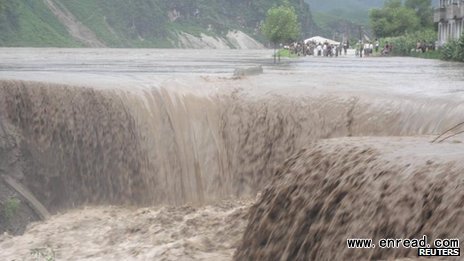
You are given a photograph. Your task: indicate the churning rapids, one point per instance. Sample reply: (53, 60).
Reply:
(162, 155)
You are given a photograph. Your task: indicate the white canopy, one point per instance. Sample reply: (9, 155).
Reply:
(320, 39)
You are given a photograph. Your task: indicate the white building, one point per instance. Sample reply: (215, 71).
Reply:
(449, 17)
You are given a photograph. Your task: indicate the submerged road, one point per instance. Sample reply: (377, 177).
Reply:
(152, 66)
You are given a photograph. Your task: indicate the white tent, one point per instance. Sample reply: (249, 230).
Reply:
(320, 39)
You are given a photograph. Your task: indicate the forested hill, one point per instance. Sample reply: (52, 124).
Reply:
(352, 10)
(328, 5)
(138, 23)
(335, 18)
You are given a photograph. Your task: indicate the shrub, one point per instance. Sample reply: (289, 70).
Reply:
(45, 253)
(454, 50)
(405, 44)
(447, 52)
(10, 208)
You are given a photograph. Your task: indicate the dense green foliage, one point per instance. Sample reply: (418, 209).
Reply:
(281, 24)
(454, 50)
(397, 18)
(424, 11)
(405, 45)
(136, 23)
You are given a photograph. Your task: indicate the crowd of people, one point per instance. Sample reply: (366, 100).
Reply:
(423, 46)
(318, 48)
(363, 48)
(370, 47)
(328, 49)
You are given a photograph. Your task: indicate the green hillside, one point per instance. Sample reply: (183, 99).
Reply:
(336, 17)
(31, 23)
(347, 5)
(132, 23)
(355, 11)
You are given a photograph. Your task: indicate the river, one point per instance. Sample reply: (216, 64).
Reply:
(163, 154)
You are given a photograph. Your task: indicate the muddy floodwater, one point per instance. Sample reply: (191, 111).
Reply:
(164, 155)
(148, 67)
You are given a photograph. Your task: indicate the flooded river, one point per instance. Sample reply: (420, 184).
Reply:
(162, 154)
(393, 75)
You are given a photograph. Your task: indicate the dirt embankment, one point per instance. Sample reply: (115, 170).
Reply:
(15, 213)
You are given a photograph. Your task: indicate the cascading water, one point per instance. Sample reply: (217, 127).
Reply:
(171, 144)
(82, 145)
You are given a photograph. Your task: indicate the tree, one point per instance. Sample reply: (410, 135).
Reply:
(393, 19)
(424, 11)
(281, 25)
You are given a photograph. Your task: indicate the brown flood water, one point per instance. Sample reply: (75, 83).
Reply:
(159, 154)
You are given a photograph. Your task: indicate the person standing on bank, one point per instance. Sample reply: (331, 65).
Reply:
(361, 49)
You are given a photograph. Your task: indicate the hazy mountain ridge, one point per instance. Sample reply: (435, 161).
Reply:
(143, 23)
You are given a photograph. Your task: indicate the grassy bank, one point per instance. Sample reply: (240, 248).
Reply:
(285, 53)
(434, 54)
